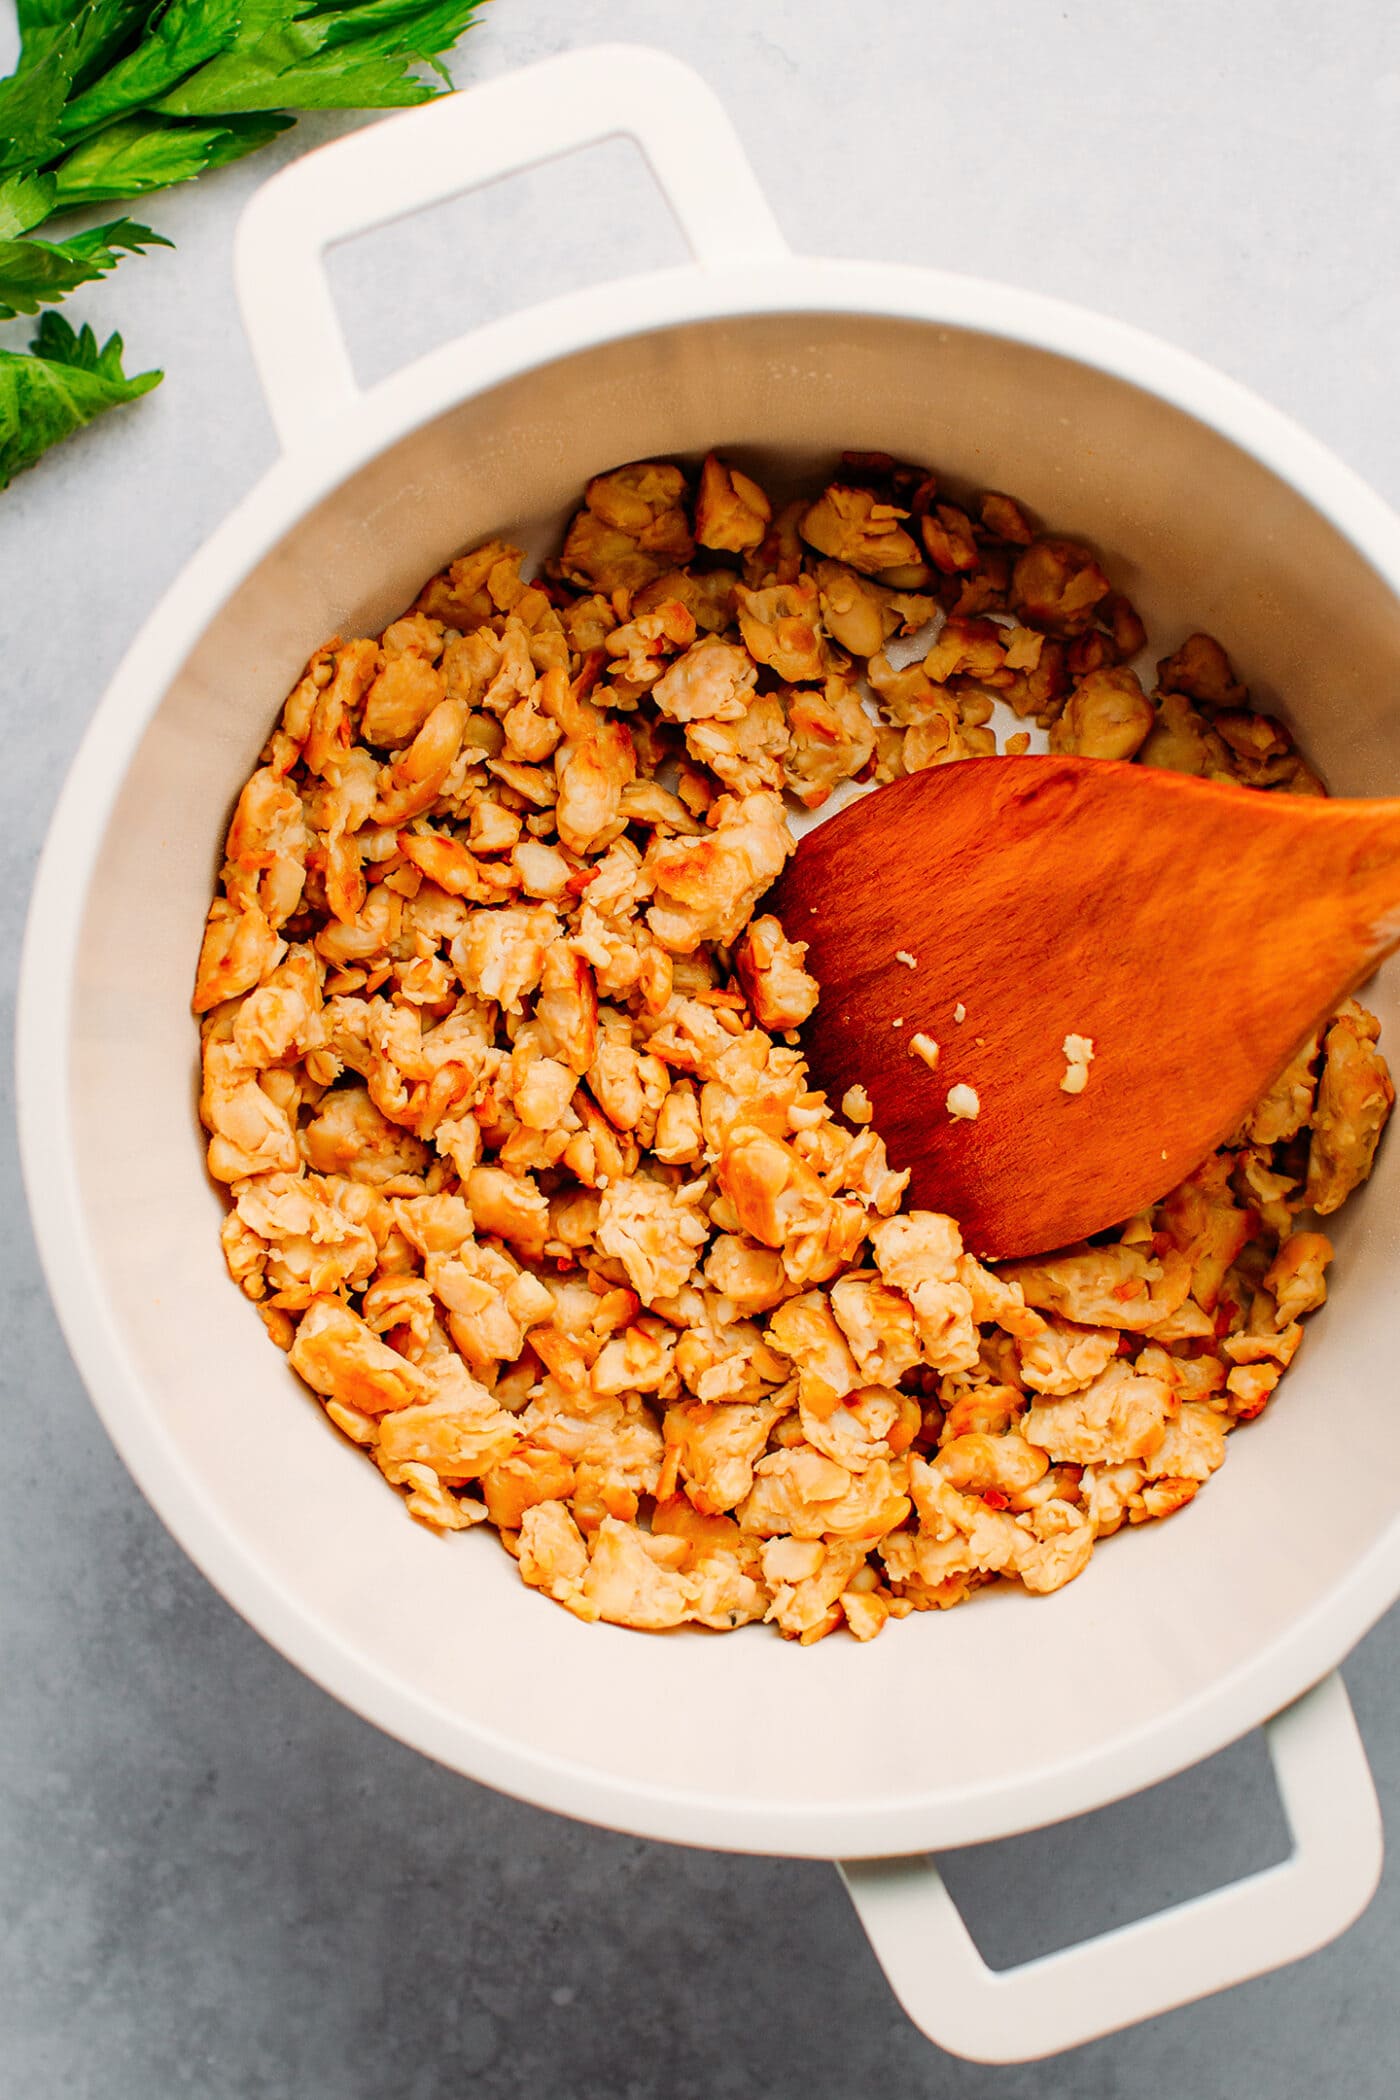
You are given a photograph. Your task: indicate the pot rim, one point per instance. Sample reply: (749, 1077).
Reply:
(504, 350)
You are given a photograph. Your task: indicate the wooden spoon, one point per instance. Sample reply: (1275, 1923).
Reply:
(1195, 932)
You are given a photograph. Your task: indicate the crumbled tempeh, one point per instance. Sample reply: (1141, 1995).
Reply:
(524, 1169)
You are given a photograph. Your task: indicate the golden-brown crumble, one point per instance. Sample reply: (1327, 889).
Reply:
(501, 1076)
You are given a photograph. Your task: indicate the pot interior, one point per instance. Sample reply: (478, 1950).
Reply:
(944, 1708)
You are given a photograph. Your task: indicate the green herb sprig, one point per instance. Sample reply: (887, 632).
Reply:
(115, 99)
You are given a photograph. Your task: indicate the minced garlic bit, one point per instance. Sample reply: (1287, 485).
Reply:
(1079, 1055)
(855, 1105)
(925, 1047)
(963, 1102)
(910, 962)
(898, 1021)
(960, 1012)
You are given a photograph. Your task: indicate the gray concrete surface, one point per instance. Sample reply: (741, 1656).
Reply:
(213, 1881)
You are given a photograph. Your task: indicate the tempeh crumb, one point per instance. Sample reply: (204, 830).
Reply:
(1079, 1055)
(925, 1047)
(963, 1102)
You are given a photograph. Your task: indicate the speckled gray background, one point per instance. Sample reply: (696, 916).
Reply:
(215, 1882)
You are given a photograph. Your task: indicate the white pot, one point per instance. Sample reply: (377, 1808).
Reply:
(955, 1727)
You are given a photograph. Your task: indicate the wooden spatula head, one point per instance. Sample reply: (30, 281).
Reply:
(1194, 932)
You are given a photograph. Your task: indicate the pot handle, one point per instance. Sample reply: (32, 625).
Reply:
(1060, 2000)
(425, 155)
